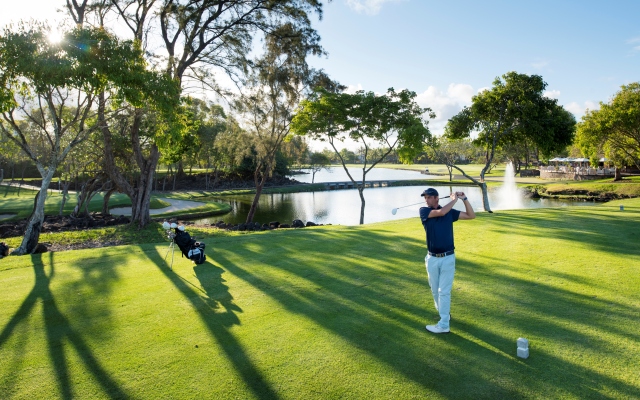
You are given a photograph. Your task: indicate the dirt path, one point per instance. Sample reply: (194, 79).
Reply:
(176, 205)
(6, 216)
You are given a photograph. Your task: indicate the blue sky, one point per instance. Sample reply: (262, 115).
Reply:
(448, 50)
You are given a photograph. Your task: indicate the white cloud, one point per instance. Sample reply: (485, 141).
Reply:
(370, 7)
(540, 64)
(635, 43)
(445, 104)
(351, 89)
(552, 94)
(579, 109)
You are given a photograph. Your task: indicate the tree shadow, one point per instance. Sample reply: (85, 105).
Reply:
(367, 307)
(217, 294)
(601, 228)
(58, 332)
(359, 304)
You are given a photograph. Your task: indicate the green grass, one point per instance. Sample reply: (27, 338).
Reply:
(334, 312)
(470, 169)
(20, 202)
(628, 187)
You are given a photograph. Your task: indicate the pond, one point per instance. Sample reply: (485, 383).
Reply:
(343, 206)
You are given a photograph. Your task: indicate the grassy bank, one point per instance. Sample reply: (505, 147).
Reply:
(334, 312)
(20, 202)
(604, 188)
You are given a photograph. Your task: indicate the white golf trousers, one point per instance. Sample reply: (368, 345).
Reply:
(440, 271)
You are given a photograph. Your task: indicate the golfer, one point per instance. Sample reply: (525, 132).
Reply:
(441, 259)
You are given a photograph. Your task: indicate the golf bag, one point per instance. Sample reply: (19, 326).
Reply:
(4, 250)
(191, 249)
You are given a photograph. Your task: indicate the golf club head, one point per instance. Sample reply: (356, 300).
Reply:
(394, 211)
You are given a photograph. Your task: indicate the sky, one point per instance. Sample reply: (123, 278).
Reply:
(446, 51)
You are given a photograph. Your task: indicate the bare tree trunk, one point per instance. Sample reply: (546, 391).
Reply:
(105, 200)
(256, 198)
(34, 226)
(617, 174)
(481, 184)
(65, 196)
(362, 202)
(175, 176)
(141, 194)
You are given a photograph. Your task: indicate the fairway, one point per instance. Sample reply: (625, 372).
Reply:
(335, 312)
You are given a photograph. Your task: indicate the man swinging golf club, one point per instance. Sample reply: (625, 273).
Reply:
(441, 259)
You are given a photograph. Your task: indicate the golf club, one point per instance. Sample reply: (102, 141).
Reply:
(395, 210)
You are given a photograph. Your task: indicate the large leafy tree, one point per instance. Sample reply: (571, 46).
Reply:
(200, 38)
(614, 129)
(390, 121)
(48, 93)
(514, 110)
(271, 96)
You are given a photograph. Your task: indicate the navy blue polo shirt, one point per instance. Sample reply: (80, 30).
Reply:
(439, 230)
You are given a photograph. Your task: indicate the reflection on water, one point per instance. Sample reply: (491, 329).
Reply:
(343, 206)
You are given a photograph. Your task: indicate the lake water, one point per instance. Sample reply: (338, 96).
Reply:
(343, 206)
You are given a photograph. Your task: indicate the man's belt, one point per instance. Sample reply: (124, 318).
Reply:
(446, 253)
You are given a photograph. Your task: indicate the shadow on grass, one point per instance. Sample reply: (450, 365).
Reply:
(601, 228)
(360, 295)
(58, 331)
(561, 319)
(366, 306)
(218, 323)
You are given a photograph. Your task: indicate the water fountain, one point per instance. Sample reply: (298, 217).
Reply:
(509, 197)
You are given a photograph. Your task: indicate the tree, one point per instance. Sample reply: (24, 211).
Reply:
(48, 92)
(450, 151)
(271, 96)
(393, 120)
(199, 38)
(513, 111)
(317, 162)
(614, 129)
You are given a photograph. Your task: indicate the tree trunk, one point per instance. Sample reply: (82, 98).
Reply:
(482, 185)
(65, 195)
(141, 203)
(34, 226)
(617, 175)
(256, 198)
(105, 201)
(313, 176)
(485, 197)
(174, 178)
(141, 194)
(450, 173)
(361, 193)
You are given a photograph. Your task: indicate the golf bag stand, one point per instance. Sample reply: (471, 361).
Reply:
(172, 245)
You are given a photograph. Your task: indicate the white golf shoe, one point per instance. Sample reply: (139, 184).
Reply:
(437, 329)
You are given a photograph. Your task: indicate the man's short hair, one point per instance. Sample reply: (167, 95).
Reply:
(430, 192)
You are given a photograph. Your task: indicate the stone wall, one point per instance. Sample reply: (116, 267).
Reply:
(529, 172)
(570, 176)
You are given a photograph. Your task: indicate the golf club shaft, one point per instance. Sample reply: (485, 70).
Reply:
(422, 202)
